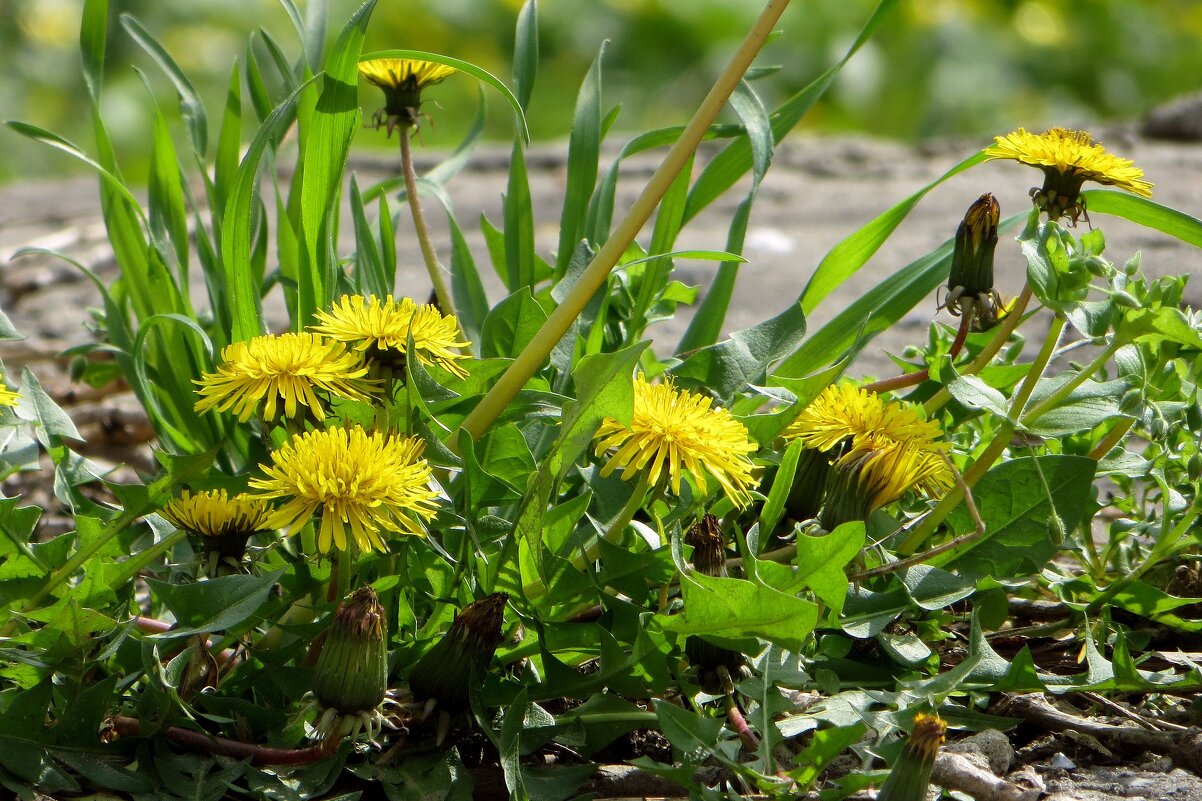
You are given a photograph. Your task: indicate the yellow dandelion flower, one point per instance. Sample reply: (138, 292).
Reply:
(221, 523)
(673, 429)
(213, 514)
(8, 397)
(293, 367)
(380, 329)
(882, 449)
(365, 486)
(1068, 159)
(402, 80)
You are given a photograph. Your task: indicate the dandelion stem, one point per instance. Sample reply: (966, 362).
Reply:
(1050, 402)
(206, 743)
(1112, 439)
(937, 401)
(995, 448)
(445, 302)
(535, 354)
(913, 379)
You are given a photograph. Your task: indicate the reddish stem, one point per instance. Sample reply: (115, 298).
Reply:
(914, 379)
(124, 726)
(152, 626)
(739, 723)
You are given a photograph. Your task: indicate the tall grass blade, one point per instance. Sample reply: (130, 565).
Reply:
(736, 159)
(845, 258)
(1146, 213)
(236, 239)
(525, 53)
(584, 153)
(190, 105)
(325, 149)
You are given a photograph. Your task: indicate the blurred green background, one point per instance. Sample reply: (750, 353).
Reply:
(938, 67)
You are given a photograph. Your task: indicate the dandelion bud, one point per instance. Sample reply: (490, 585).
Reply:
(911, 776)
(716, 666)
(972, 258)
(809, 483)
(446, 672)
(352, 672)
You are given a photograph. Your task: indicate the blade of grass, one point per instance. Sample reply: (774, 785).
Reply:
(706, 325)
(324, 154)
(229, 140)
(525, 52)
(168, 213)
(190, 105)
(736, 159)
(584, 153)
(1145, 212)
(247, 318)
(369, 277)
(845, 258)
(519, 224)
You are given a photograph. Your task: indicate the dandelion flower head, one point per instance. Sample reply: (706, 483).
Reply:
(675, 430)
(395, 73)
(894, 446)
(364, 485)
(380, 329)
(402, 81)
(213, 513)
(1068, 159)
(290, 367)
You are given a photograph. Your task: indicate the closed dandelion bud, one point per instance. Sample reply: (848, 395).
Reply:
(717, 667)
(446, 672)
(352, 672)
(911, 776)
(972, 258)
(809, 483)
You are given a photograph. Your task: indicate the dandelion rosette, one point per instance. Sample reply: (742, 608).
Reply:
(402, 81)
(677, 430)
(380, 330)
(292, 367)
(1068, 159)
(365, 485)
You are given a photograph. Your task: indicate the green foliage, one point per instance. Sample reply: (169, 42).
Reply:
(577, 506)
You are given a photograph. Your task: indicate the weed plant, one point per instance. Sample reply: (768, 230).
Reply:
(397, 529)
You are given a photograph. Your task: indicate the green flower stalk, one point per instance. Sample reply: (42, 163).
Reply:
(351, 677)
(717, 667)
(911, 776)
(446, 673)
